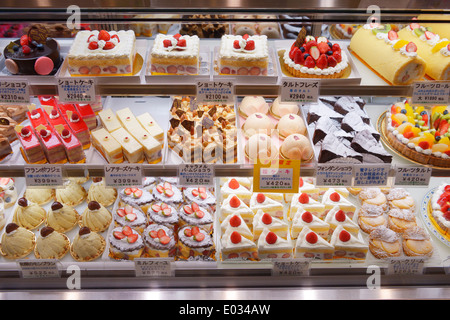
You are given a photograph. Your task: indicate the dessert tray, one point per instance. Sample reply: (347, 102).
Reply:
(138, 68)
(429, 221)
(351, 75)
(272, 71)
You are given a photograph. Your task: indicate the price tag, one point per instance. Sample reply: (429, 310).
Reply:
(334, 175)
(221, 92)
(412, 176)
(402, 265)
(276, 176)
(14, 91)
(371, 175)
(123, 175)
(43, 176)
(430, 92)
(295, 267)
(148, 267)
(42, 268)
(195, 174)
(299, 90)
(76, 90)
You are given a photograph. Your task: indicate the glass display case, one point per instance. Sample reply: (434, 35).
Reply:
(244, 145)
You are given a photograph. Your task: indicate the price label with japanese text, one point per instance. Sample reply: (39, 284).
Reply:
(148, 267)
(371, 175)
(196, 174)
(430, 92)
(334, 175)
(401, 265)
(276, 176)
(76, 90)
(42, 268)
(412, 176)
(221, 92)
(43, 176)
(14, 91)
(123, 175)
(301, 91)
(294, 267)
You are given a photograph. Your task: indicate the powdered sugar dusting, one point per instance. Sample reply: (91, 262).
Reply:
(384, 234)
(397, 193)
(404, 214)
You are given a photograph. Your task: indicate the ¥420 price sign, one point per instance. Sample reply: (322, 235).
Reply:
(192, 174)
(301, 91)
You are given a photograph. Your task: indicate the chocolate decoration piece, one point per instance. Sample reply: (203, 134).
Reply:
(45, 231)
(10, 227)
(300, 38)
(56, 205)
(97, 179)
(4, 122)
(84, 230)
(23, 202)
(94, 205)
(38, 33)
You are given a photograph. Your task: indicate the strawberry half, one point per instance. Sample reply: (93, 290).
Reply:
(118, 235)
(132, 238)
(314, 52)
(127, 230)
(121, 212)
(250, 45)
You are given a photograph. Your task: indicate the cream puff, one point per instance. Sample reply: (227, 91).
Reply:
(371, 217)
(400, 198)
(417, 243)
(373, 196)
(384, 243)
(401, 219)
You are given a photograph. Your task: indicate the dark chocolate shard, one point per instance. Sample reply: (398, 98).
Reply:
(335, 150)
(365, 143)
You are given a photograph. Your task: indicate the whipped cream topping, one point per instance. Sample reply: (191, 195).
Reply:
(228, 51)
(191, 49)
(36, 115)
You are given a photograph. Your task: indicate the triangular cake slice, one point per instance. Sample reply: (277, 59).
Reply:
(271, 246)
(234, 222)
(263, 220)
(303, 200)
(310, 245)
(303, 218)
(336, 217)
(234, 205)
(260, 201)
(332, 198)
(232, 186)
(347, 245)
(236, 246)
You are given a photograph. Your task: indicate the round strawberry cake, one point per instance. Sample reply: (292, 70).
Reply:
(311, 57)
(440, 208)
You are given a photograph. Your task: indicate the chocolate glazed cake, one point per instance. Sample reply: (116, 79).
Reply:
(33, 54)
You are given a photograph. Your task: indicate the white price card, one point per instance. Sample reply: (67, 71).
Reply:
(42, 268)
(334, 175)
(14, 91)
(196, 174)
(294, 267)
(402, 265)
(371, 175)
(153, 267)
(430, 92)
(299, 90)
(43, 175)
(123, 175)
(76, 90)
(412, 176)
(221, 92)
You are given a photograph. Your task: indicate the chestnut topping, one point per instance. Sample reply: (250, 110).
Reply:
(10, 227)
(23, 202)
(97, 179)
(45, 231)
(84, 230)
(56, 205)
(94, 205)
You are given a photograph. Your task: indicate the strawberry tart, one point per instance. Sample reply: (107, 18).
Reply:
(311, 57)
(125, 243)
(175, 54)
(439, 208)
(102, 53)
(236, 246)
(243, 55)
(159, 241)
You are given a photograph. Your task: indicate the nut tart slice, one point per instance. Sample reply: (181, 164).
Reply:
(263, 220)
(259, 201)
(271, 246)
(336, 217)
(347, 245)
(304, 219)
(311, 245)
(401, 219)
(236, 246)
(417, 243)
(384, 243)
(306, 202)
(332, 198)
(235, 222)
(234, 205)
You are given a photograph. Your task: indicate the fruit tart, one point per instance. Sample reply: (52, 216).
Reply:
(439, 208)
(311, 57)
(125, 243)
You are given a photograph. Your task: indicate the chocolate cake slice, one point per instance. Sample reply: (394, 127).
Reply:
(352, 122)
(346, 105)
(326, 126)
(329, 100)
(336, 151)
(365, 143)
(319, 110)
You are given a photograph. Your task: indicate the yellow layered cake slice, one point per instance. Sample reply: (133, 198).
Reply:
(336, 217)
(263, 220)
(332, 198)
(149, 124)
(303, 218)
(234, 205)
(232, 186)
(105, 143)
(234, 222)
(432, 47)
(236, 246)
(347, 245)
(272, 246)
(259, 201)
(303, 200)
(132, 149)
(311, 245)
(109, 120)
